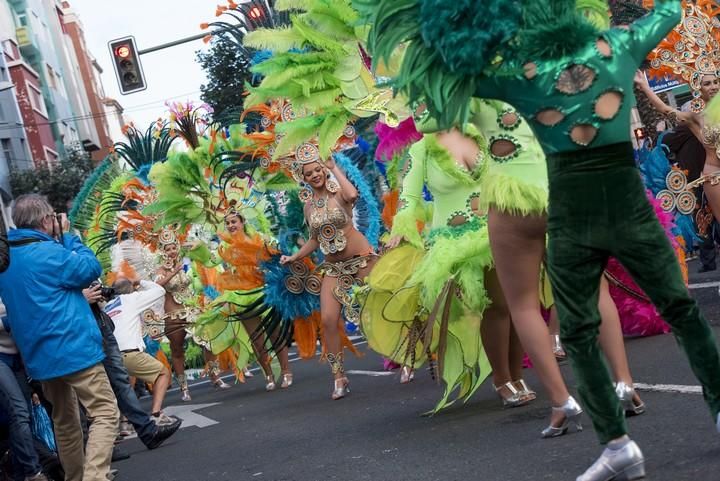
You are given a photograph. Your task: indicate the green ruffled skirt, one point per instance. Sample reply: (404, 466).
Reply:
(403, 290)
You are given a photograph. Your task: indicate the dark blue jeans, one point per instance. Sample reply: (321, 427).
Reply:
(15, 403)
(120, 382)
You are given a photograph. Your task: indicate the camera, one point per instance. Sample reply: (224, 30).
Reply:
(107, 292)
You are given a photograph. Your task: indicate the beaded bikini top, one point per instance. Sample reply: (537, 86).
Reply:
(326, 225)
(179, 287)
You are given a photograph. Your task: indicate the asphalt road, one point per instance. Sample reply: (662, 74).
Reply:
(379, 434)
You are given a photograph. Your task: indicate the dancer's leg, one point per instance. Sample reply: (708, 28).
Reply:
(261, 353)
(175, 332)
(611, 337)
(575, 270)
(518, 245)
(495, 332)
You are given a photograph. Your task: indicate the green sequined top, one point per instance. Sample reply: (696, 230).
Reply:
(559, 97)
(455, 190)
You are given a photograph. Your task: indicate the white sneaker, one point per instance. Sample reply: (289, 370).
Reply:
(162, 419)
(126, 429)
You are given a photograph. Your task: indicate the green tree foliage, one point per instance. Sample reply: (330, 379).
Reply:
(227, 70)
(60, 184)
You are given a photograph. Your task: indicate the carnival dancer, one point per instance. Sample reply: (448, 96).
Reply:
(179, 316)
(515, 197)
(348, 256)
(240, 240)
(577, 95)
(451, 165)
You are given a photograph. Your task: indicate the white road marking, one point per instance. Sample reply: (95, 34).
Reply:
(675, 388)
(190, 418)
(704, 285)
(370, 373)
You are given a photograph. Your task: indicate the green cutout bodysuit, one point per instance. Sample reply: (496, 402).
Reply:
(598, 207)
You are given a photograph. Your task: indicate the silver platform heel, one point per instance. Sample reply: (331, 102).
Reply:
(572, 411)
(626, 464)
(626, 394)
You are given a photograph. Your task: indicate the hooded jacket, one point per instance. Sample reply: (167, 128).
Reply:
(47, 314)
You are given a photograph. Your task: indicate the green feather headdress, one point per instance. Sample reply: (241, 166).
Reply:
(316, 65)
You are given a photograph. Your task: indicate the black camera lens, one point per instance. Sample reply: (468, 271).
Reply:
(107, 292)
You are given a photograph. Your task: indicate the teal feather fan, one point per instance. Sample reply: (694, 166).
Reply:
(90, 196)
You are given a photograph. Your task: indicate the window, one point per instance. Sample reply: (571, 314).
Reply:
(3, 74)
(51, 157)
(52, 82)
(3, 120)
(8, 49)
(7, 151)
(36, 99)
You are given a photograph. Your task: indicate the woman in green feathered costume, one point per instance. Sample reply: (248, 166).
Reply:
(474, 334)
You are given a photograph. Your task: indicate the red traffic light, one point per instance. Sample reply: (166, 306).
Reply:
(126, 63)
(123, 51)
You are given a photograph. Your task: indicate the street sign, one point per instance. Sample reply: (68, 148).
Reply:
(126, 62)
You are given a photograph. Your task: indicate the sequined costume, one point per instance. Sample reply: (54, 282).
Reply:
(577, 97)
(408, 284)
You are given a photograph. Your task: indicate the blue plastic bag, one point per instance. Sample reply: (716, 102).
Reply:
(42, 427)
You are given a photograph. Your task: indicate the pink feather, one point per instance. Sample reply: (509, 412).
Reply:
(392, 141)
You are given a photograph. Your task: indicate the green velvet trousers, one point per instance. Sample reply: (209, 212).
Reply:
(598, 208)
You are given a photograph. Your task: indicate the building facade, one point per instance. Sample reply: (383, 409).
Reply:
(51, 95)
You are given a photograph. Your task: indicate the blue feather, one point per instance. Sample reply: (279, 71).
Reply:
(290, 306)
(654, 167)
(367, 208)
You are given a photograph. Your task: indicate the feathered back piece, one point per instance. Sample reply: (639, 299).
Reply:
(692, 49)
(142, 150)
(90, 196)
(319, 66)
(449, 45)
(555, 28)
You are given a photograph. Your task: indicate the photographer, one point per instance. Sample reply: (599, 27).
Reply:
(151, 434)
(56, 333)
(134, 301)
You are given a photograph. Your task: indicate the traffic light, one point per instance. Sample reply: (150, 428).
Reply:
(126, 62)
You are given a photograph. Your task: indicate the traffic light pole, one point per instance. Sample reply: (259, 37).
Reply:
(182, 41)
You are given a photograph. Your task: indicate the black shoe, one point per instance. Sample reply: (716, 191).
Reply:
(119, 455)
(705, 268)
(162, 433)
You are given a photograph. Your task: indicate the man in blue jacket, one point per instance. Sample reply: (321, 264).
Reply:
(57, 335)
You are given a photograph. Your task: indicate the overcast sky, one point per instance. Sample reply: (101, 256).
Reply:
(170, 73)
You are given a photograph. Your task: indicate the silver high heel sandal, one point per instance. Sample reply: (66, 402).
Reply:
(558, 349)
(572, 411)
(287, 380)
(341, 385)
(270, 383)
(184, 389)
(516, 398)
(626, 394)
(524, 390)
(407, 374)
(626, 463)
(214, 371)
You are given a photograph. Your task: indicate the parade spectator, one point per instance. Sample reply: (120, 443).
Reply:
(15, 405)
(151, 435)
(4, 253)
(57, 335)
(137, 300)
